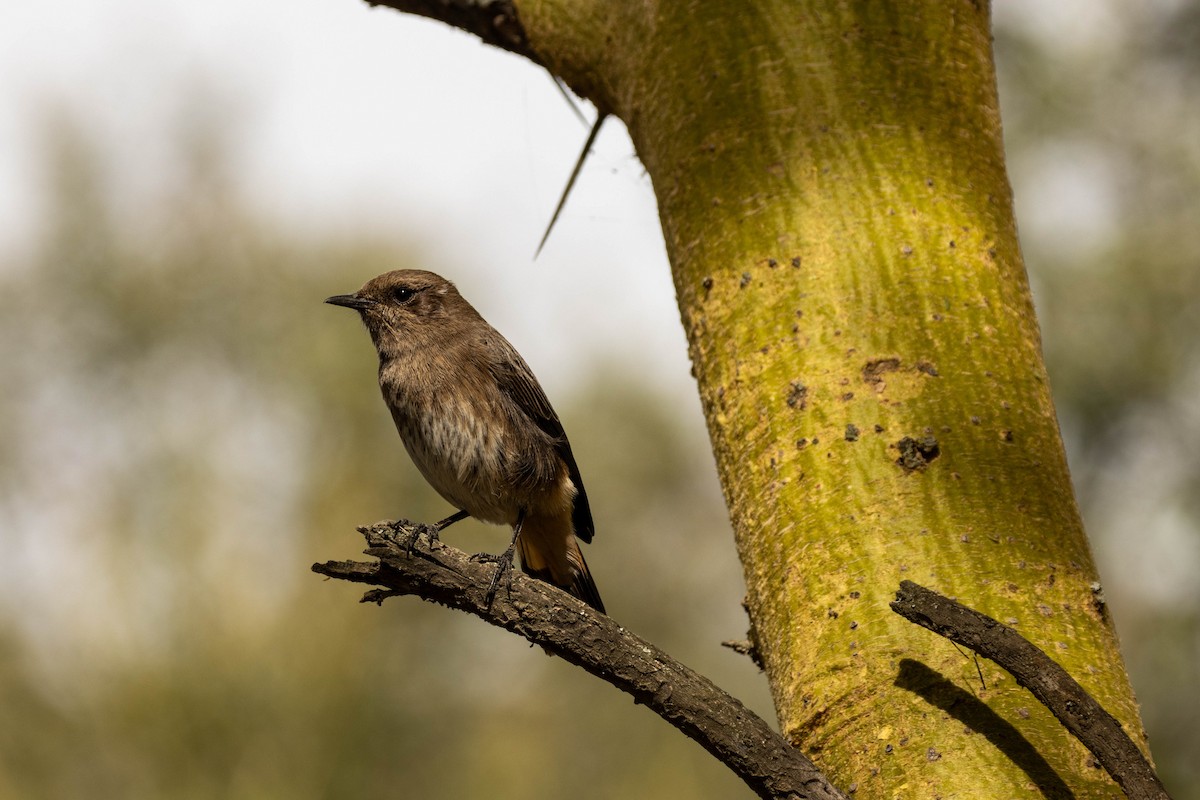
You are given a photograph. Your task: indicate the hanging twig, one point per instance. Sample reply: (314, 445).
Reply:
(562, 201)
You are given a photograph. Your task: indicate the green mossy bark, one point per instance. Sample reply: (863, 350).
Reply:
(831, 183)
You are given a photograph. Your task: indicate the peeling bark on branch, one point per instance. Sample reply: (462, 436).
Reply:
(409, 564)
(1099, 731)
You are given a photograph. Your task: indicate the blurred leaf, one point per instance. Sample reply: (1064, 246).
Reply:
(189, 429)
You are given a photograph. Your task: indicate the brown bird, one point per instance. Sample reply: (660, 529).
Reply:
(477, 424)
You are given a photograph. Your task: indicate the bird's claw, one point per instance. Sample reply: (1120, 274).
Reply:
(406, 535)
(430, 531)
(504, 567)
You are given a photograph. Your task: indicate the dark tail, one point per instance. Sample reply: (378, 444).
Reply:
(562, 566)
(583, 587)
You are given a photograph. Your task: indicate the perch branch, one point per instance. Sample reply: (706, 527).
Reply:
(1099, 731)
(410, 564)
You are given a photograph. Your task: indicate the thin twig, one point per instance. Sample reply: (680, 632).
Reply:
(566, 94)
(566, 192)
(409, 564)
(1099, 731)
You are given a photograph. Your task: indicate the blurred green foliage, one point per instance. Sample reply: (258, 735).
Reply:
(186, 428)
(1102, 130)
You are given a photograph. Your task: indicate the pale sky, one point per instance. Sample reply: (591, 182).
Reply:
(351, 117)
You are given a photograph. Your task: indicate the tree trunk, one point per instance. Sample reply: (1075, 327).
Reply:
(831, 183)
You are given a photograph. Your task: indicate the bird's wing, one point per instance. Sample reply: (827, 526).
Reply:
(516, 381)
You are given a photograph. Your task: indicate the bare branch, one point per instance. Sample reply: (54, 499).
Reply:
(410, 564)
(493, 21)
(1099, 731)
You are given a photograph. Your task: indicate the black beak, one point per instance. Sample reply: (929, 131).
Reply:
(350, 301)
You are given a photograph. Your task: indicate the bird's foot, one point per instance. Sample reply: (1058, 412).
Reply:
(405, 534)
(413, 531)
(430, 532)
(504, 567)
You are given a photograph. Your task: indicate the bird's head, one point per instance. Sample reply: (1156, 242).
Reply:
(401, 308)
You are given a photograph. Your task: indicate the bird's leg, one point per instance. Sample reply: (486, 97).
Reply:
(504, 561)
(433, 530)
(457, 516)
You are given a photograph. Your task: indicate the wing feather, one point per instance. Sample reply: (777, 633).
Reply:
(516, 381)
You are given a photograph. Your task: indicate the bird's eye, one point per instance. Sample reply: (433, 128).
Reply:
(403, 294)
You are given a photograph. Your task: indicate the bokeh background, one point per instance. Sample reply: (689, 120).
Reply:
(186, 428)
